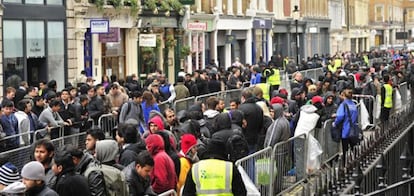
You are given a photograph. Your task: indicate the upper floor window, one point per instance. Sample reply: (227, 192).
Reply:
(37, 2)
(379, 13)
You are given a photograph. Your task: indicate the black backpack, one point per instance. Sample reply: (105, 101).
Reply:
(236, 147)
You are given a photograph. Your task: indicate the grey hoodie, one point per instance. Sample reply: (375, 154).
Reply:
(279, 130)
(106, 150)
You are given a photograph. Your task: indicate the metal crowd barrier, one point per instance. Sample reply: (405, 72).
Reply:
(107, 122)
(230, 95)
(19, 140)
(370, 103)
(204, 97)
(258, 167)
(164, 105)
(169, 193)
(183, 104)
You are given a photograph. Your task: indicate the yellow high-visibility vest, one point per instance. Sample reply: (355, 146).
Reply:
(275, 78)
(213, 177)
(388, 96)
(265, 88)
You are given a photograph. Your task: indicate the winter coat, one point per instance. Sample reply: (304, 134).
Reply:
(129, 152)
(106, 151)
(279, 130)
(42, 190)
(307, 120)
(329, 109)
(95, 108)
(137, 184)
(163, 176)
(95, 179)
(134, 112)
(66, 182)
(254, 117)
(146, 109)
(342, 116)
(181, 91)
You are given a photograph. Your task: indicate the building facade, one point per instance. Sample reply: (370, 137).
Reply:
(33, 42)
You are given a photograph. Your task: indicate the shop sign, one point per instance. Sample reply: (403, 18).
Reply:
(187, 2)
(230, 39)
(147, 40)
(262, 24)
(99, 26)
(197, 26)
(112, 36)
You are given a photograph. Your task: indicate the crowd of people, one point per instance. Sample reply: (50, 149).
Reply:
(191, 151)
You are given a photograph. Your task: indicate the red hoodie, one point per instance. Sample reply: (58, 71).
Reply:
(163, 177)
(158, 121)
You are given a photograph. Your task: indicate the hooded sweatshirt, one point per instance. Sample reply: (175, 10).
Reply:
(163, 177)
(307, 120)
(106, 151)
(279, 130)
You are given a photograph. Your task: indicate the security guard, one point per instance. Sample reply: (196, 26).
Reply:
(273, 78)
(386, 99)
(215, 175)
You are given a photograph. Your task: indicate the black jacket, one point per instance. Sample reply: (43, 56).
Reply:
(69, 183)
(254, 117)
(137, 185)
(96, 108)
(130, 153)
(95, 179)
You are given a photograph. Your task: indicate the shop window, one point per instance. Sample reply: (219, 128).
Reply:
(34, 1)
(13, 53)
(56, 52)
(12, 1)
(54, 2)
(113, 53)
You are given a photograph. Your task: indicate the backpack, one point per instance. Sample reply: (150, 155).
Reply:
(115, 181)
(236, 147)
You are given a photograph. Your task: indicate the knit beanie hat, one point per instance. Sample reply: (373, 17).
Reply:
(33, 170)
(14, 188)
(187, 142)
(8, 174)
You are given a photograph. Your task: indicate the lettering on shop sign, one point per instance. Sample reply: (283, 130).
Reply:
(112, 36)
(99, 26)
(112, 15)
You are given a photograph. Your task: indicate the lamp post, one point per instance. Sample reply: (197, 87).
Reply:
(296, 16)
(404, 21)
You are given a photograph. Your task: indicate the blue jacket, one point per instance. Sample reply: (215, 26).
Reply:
(10, 127)
(342, 116)
(147, 109)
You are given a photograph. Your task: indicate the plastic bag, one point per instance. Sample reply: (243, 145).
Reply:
(397, 100)
(364, 115)
(263, 171)
(250, 186)
(314, 150)
(378, 107)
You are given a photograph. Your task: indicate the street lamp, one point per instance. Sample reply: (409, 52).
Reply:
(296, 16)
(404, 21)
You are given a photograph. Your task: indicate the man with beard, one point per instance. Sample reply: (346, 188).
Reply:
(43, 152)
(33, 175)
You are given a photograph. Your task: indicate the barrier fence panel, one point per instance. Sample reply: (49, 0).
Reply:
(77, 140)
(15, 141)
(183, 104)
(230, 95)
(289, 158)
(164, 105)
(19, 156)
(203, 98)
(331, 149)
(259, 167)
(107, 122)
(169, 193)
(371, 106)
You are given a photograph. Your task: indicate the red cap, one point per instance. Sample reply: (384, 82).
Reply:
(317, 99)
(276, 99)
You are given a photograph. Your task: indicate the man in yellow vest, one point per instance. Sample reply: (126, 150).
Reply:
(215, 175)
(273, 78)
(386, 99)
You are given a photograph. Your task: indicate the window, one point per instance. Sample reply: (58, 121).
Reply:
(54, 2)
(379, 13)
(12, 1)
(35, 39)
(13, 52)
(34, 2)
(56, 52)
